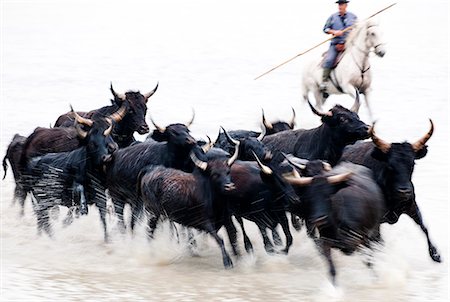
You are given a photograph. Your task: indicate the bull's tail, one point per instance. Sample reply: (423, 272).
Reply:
(5, 165)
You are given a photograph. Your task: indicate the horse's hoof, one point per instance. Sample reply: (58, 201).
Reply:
(435, 255)
(228, 263)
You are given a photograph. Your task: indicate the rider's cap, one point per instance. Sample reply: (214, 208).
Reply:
(342, 1)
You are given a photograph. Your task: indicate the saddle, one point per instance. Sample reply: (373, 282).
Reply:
(336, 62)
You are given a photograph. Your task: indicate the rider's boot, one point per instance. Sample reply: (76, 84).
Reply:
(323, 86)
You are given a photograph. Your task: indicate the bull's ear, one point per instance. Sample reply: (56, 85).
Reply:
(378, 154)
(422, 152)
(159, 136)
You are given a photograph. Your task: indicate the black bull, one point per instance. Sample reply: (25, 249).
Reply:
(133, 120)
(393, 165)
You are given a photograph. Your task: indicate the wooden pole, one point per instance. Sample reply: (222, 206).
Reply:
(308, 50)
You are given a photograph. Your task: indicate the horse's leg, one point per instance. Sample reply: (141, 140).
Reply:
(319, 99)
(367, 95)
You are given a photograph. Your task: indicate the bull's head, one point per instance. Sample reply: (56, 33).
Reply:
(274, 179)
(217, 170)
(346, 125)
(136, 102)
(248, 145)
(272, 128)
(317, 193)
(399, 159)
(174, 134)
(100, 145)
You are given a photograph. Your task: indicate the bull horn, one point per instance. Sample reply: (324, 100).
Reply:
(292, 122)
(381, 144)
(264, 168)
(356, 104)
(267, 124)
(263, 133)
(317, 112)
(336, 179)
(80, 119)
(192, 119)
(117, 95)
(160, 129)
(149, 94)
(298, 166)
(235, 155)
(108, 131)
(421, 142)
(231, 140)
(206, 147)
(199, 163)
(299, 181)
(119, 114)
(326, 166)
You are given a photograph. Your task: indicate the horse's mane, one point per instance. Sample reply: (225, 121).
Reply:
(354, 32)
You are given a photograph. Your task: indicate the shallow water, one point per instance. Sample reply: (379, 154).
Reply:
(205, 55)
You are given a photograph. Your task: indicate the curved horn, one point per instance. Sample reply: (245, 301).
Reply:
(80, 119)
(160, 129)
(108, 131)
(231, 140)
(326, 166)
(298, 166)
(299, 181)
(292, 122)
(267, 124)
(381, 144)
(335, 179)
(235, 155)
(356, 104)
(316, 112)
(421, 142)
(149, 94)
(206, 147)
(264, 168)
(199, 163)
(117, 95)
(192, 119)
(119, 114)
(263, 133)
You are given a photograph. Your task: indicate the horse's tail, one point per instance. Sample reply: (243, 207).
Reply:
(5, 165)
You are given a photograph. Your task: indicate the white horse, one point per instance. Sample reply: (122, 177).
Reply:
(353, 72)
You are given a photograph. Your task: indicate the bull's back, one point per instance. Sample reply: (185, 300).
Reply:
(284, 141)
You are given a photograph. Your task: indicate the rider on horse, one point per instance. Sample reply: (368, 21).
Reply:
(335, 25)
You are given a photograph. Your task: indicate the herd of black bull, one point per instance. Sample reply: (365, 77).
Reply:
(245, 174)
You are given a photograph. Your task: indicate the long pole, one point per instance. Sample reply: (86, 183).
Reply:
(308, 50)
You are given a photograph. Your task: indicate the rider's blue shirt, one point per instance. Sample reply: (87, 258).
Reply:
(338, 22)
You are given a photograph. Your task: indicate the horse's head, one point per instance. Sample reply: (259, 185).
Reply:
(373, 38)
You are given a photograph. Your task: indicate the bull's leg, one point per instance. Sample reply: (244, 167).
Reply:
(268, 246)
(287, 232)
(100, 202)
(415, 214)
(80, 198)
(325, 249)
(231, 231)
(43, 222)
(152, 221)
(247, 242)
(118, 208)
(69, 217)
(225, 257)
(136, 212)
(20, 195)
(276, 237)
(296, 222)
